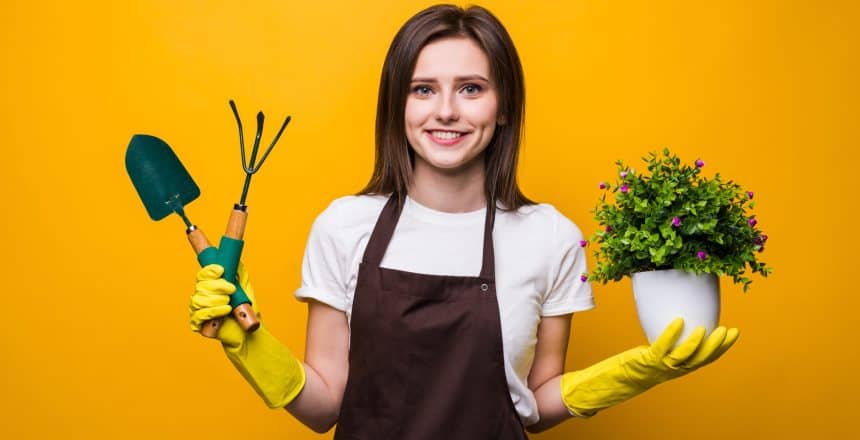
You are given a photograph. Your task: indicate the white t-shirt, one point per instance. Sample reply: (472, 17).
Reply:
(538, 265)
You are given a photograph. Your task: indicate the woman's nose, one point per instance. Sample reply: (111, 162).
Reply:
(447, 108)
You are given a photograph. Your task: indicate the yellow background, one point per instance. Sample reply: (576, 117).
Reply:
(95, 335)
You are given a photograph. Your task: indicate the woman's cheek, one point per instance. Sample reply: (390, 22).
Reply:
(482, 111)
(419, 105)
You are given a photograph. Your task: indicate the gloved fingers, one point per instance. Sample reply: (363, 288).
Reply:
(707, 349)
(198, 317)
(203, 299)
(215, 286)
(732, 336)
(686, 349)
(667, 339)
(210, 272)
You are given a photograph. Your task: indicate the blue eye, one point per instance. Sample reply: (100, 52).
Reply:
(472, 88)
(422, 90)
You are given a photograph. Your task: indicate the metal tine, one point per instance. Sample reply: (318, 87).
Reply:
(250, 169)
(241, 132)
(269, 150)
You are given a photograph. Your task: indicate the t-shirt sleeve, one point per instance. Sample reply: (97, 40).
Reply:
(567, 293)
(324, 264)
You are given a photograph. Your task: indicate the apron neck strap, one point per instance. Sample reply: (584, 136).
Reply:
(387, 222)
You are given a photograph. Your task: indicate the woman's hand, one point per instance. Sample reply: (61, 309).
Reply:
(211, 299)
(271, 369)
(634, 371)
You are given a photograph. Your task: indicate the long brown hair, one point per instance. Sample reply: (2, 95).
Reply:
(392, 170)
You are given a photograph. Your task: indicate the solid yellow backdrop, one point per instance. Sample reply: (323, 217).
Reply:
(95, 336)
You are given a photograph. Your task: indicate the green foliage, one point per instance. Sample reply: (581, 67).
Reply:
(637, 231)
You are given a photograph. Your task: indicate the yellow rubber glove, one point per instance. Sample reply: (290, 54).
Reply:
(625, 375)
(271, 369)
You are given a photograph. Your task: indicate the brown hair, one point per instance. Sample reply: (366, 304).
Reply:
(392, 170)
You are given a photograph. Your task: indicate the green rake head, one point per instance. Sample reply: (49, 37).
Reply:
(254, 165)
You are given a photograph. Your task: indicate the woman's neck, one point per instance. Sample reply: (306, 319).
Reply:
(455, 191)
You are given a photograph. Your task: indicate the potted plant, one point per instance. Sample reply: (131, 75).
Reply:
(674, 233)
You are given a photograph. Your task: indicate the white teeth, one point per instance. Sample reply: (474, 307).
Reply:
(445, 135)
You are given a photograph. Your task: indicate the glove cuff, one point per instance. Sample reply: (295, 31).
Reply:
(569, 382)
(269, 367)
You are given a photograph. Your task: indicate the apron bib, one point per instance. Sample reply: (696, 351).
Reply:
(426, 359)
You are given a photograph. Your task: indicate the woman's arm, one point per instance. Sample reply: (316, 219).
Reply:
(326, 368)
(545, 375)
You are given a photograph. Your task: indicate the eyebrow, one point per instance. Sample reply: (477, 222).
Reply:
(457, 79)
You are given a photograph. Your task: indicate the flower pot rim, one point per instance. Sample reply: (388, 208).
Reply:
(658, 270)
(673, 270)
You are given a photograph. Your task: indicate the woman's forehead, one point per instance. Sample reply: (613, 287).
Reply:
(450, 58)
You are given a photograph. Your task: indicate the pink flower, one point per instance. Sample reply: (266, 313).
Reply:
(608, 228)
(624, 188)
(583, 243)
(676, 221)
(750, 194)
(583, 278)
(602, 185)
(700, 163)
(752, 221)
(702, 255)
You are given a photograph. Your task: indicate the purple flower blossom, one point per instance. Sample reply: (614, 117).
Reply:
(583, 278)
(750, 194)
(602, 185)
(699, 163)
(623, 174)
(624, 188)
(608, 228)
(702, 255)
(752, 221)
(583, 243)
(676, 221)
(763, 238)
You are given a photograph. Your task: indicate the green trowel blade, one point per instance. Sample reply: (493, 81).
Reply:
(162, 183)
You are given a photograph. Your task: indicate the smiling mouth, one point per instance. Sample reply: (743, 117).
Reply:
(445, 135)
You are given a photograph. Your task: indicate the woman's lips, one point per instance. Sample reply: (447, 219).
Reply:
(446, 142)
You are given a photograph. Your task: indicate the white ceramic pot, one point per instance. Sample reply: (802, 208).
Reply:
(663, 295)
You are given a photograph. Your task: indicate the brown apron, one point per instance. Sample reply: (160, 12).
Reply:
(425, 359)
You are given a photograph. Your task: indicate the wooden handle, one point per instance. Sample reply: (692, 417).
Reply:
(199, 243)
(246, 317)
(210, 328)
(236, 223)
(244, 313)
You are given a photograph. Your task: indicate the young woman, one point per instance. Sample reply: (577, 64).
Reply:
(439, 296)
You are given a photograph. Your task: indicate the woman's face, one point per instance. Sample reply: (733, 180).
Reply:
(452, 106)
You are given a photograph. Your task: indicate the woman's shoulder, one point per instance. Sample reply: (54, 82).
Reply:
(546, 218)
(349, 210)
(358, 203)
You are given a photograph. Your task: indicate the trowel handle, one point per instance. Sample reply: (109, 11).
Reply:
(200, 244)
